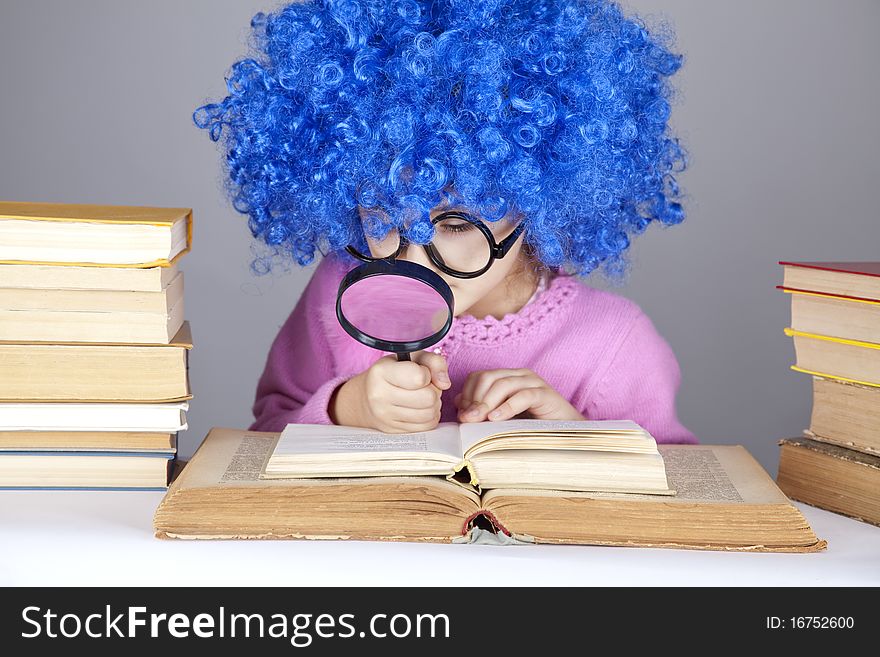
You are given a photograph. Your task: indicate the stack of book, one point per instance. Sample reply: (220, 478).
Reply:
(94, 348)
(835, 324)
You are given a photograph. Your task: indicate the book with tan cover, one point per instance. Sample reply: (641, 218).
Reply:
(28, 315)
(72, 277)
(113, 470)
(846, 414)
(87, 441)
(23, 300)
(831, 477)
(99, 372)
(724, 501)
(93, 235)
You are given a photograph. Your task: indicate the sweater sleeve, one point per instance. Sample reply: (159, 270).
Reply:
(299, 376)
(640, 383)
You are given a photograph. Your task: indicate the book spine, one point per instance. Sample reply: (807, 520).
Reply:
(484, 519)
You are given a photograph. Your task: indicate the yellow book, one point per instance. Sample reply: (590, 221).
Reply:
(835, 316)
(93, 235)
(837, 358)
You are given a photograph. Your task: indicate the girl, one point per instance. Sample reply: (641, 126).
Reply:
(546, 122)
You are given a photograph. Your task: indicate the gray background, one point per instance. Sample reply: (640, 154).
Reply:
(778, 107)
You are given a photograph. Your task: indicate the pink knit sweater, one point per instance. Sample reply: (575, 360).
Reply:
(596, 348)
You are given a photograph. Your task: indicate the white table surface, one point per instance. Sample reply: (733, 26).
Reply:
(105, 538)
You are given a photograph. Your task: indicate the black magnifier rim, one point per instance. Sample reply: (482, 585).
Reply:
(384, 267)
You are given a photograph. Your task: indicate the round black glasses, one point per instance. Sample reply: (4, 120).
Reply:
(462, 246)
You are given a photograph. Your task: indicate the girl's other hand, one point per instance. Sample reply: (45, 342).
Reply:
(394, 396)
(502, 394)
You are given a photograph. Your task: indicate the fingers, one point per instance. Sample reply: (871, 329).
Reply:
(436, 365)
(519, 402)
(402, 397)
(400, 419)
(426, 397)
(477, 385)
(405, 374)
(502, 391)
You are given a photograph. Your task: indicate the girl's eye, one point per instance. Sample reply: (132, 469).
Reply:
(456, 228)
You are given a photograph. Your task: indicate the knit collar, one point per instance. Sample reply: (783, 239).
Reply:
(546, 307)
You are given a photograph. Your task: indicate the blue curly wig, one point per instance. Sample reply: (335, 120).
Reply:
(557, 110)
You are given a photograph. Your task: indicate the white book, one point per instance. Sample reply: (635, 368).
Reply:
(165, 417)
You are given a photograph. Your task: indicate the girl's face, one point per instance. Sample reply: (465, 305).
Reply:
(467, 291)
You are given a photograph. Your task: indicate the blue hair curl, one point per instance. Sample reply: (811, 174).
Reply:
(557, 108)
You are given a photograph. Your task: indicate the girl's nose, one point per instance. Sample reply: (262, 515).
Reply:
(416, 253)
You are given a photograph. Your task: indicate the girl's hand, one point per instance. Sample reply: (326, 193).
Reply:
(503, 394)
(394, 396)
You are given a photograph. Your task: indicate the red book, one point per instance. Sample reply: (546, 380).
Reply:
(853, 280)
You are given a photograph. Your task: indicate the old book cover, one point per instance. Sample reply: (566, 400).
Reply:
(831, 477)
(729, 503)
(846, 414)
(724, 500)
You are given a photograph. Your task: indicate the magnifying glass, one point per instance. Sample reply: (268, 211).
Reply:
(395, 305)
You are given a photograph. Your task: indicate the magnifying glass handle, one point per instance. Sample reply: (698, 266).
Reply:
(403, 356)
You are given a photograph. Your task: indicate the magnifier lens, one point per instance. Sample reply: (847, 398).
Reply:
(394, 308)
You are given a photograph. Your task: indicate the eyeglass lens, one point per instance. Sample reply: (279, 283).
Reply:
(458, 243)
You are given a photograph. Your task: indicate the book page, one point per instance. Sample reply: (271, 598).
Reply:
(473, 433)
(335, 439)
(725, 474)
(232, 458)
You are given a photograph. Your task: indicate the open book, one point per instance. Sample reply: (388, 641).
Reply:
(599, 455)
(724, 500)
